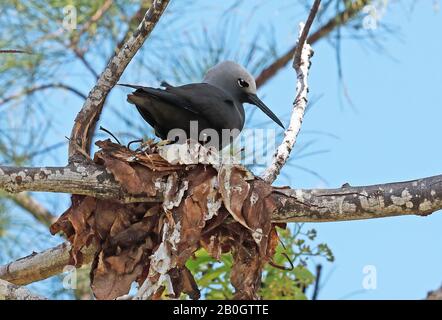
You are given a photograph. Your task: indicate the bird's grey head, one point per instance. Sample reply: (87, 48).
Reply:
(239, 83)
(233, 78)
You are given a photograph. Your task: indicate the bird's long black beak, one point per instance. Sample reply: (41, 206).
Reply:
(253, 98)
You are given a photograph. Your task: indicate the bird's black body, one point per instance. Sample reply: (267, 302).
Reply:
(175, 108)
(210, 112)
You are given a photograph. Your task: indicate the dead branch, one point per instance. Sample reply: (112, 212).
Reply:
(87, 118)
(301, 64)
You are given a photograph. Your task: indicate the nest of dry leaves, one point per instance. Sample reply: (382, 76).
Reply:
(221, 208)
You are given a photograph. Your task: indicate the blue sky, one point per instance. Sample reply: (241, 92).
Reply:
(391, 133)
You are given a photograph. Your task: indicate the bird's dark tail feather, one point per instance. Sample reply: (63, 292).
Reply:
(165, 84)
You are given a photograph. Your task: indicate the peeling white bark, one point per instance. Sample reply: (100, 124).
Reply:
(301, 64)
(161, 262)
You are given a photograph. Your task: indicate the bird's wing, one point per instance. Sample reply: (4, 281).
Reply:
(164, 95)
(209, 102)
(201, 99)
(201, 96)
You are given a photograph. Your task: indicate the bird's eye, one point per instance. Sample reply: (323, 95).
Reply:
(242, 83)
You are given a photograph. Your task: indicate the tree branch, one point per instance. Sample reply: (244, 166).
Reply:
(77, 178)
(39, 266)
(135, 20)
(87, 118)
(14, 51)
(419, 197)
(9, 291)
(301, 64)
(342, 18)
(435, 294)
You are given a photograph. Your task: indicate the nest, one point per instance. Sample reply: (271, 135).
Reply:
(199, 204)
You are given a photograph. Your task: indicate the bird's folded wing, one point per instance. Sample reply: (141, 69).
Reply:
(200, 98)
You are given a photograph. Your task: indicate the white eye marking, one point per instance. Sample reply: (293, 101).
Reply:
(242, 83)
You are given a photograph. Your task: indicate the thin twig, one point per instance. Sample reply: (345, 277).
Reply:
(15, 51)
(57, 85)
(317, 282)
(111, 134)
(301, 64)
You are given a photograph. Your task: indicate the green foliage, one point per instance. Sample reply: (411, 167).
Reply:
(288, 283)
(299, 247)
(211, 275)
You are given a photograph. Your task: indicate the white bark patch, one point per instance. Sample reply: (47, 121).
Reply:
(159, 184)
(381, 201)
(176, 200)
(149, 288)
(426, 205)
(257, 235)
(254, 197)
(404, 199)
(81, 169)
(160, 259)
(96, 94)
(299, 195)
(175, 237)
(343, 206)
(213, 206)
(290, 135)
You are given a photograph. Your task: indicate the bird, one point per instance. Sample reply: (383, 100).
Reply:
(203, 109)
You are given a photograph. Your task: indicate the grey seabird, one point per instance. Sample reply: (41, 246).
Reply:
(215, 104)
